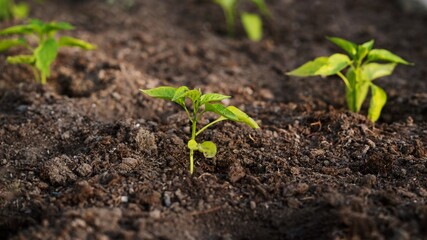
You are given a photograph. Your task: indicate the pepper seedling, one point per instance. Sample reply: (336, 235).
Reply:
(364, 64)
(251, 22)
(47, 45)
(11, 10)
(200, 104)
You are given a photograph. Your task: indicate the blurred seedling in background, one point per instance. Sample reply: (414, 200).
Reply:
(11, 10)
(364, 64)
(251, 22)
(45, 48)
(200, 104)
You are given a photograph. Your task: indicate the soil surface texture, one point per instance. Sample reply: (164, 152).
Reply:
(88, 156)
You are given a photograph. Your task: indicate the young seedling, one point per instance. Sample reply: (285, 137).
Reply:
(11, 10)
(44, 53)
(251, 22)
(200, 104)
(364, 64)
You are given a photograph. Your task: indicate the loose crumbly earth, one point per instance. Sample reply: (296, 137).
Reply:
(89, 157)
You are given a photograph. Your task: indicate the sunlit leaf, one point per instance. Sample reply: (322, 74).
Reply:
(163, 92)
(193, 145)
(253, 26)
(323, 66)
(373, 71)
(20, 10)
(242, 117)
(45, 55)
(208, 149)
(385, 56)
(18, 29)
(378, 100)
(74, 42)
(9, 43)
(21, 59)
(212, 97)
(179, 97)
(262, 6)
(221, 110)
(349, 47)
(369, 44)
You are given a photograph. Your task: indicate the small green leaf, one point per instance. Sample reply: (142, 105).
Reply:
(56, 26)
(221, 110)
(208, 149)
(20, 11)
(21, 59)
(192, 144)
(9, 43)
(362, 52)
(242, 117)
(336, 63)
(212, 97)
(179, 97)
(310, 68)
(74, 42)
(18, 29)
(361, 91)
(369, 44)
(385, 56)
(262, 6)
(253, 26)
(378, 100)
(164, 92)
(349, 47)
(324, 66)
(373, 71)
(45, 55)
(226, 4)
(193, 95)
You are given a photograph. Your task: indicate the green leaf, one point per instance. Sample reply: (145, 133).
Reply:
(20, 11)
(310, 68)
(192, 144)
(74, 42)
(21, 59)
(208, 149)
(378, 100)
(45, 55)
(243, 117)
(262, 6)
(18, 29)
(349, 47)
(226, 4)
(373, 71)
(56, 26)
(253, 26)
(221, 110)
(362, 52)
(9, 43)
(336, 63)
(193, 95)
(386, 56)
(179, 97)
(369, 44)
(163, 92)
(212, 97)
(324, 66)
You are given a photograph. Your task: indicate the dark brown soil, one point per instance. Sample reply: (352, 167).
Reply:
(89, 157)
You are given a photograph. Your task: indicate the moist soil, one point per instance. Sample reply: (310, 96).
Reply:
(87, 156)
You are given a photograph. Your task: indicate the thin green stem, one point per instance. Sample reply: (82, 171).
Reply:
(210, 124)
(193, 137)
(347, 83)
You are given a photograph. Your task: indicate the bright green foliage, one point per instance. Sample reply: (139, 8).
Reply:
(364, 64)
(45, 52)
(10, 10)
(201, 103)
(251, 22)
